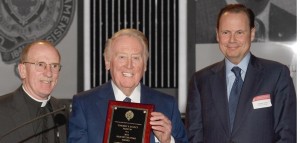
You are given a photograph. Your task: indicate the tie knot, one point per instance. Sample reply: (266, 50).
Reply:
(127, 99)
(237, 71)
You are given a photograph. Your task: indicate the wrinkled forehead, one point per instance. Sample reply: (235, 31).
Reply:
(229, 18)
(126, 42)
(44, 51)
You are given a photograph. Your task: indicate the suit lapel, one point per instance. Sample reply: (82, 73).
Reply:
(21, 115)
(146, 99)
(253, 80)
(105, 95)
(219, 94)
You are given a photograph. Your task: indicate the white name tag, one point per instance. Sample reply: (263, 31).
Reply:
(261, 101)
(262, 104)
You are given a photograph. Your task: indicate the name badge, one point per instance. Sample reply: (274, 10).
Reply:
(261, 101)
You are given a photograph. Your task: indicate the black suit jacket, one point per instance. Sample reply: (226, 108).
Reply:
(14, 112)
(207, 107)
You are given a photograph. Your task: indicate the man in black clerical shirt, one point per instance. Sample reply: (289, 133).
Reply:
(39, 69)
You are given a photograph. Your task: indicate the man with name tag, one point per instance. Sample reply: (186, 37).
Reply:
(242, 99)
(126, 55)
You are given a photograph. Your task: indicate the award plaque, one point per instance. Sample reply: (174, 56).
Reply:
(127, 122)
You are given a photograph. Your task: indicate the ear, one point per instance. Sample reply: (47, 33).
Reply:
(145, 67)
(253, 30)
(217, 35)
(107, 64)
(22, 71)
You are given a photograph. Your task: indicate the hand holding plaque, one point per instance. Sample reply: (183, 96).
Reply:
(127, 122)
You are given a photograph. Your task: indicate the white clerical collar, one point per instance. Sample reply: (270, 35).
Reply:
(44, 102)
(135, 96)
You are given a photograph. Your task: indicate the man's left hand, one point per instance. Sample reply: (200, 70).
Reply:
(161, 127)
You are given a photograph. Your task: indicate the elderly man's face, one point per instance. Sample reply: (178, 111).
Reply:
(127, 63)
(39, 84)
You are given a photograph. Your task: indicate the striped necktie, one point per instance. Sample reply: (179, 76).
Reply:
(235, 94)
(127, 99)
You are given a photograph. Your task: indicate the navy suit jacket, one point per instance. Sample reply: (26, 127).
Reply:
(207, 108)
(89, 109)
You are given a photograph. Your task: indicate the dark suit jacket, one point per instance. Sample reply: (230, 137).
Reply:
(89, 109)
(207, 108)
(14, 112)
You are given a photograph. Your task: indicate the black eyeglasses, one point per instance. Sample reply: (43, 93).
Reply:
(41, 66)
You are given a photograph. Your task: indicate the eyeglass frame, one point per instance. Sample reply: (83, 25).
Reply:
(36, 65)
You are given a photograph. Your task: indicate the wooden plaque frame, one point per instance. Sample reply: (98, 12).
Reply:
(127, 122)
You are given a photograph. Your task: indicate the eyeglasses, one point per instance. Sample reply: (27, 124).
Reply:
(41, 66)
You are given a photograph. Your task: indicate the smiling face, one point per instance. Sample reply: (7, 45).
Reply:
(39, 84)
(235, 36)
(126, 62)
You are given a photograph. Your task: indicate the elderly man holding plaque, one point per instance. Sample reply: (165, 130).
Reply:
(126, 55)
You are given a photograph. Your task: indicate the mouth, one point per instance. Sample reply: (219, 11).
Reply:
(47, 81)
(127, 74)
(232, 46)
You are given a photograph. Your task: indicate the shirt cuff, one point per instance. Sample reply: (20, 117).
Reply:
(172, 140)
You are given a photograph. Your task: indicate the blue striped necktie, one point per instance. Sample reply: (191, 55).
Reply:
(127, 99)
(235, 94)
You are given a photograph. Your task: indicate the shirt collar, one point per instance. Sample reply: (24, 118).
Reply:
(43, 102)
(135, 96)
(243, 65)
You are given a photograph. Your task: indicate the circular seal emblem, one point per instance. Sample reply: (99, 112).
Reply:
(24, 21)
(129, 115)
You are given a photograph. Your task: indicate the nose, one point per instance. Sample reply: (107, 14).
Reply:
(48, 71)
(232, 38)
(129, 63)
